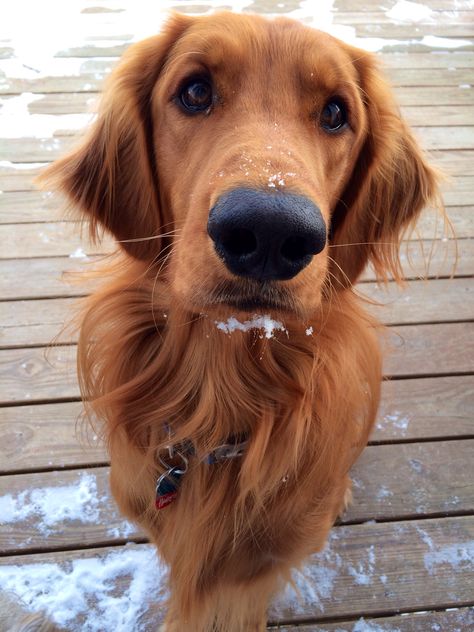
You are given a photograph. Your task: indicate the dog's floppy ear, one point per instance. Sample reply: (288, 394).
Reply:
(389, 186)
(111, 177)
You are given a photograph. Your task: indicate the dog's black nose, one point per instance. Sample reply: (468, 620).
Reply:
(266, 236)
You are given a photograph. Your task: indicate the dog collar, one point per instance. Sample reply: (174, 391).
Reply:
(174, 458)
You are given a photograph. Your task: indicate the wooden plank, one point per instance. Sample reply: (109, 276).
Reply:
(379, 21)
(26, 149)
(441, 300)
(455, 163)
(360, 560)
(47, 240)
(427, 61)
(38, 374)
(59, 104)
(85, 514)
(374, 5)
(41, 278)
(444, 115)
(35, 206)
(404, 77)
(417, 350)
(19, 176)
(428, 95)
(434, 259)
(457, 620)
(41, 322)
(439, 138)
(425, 408)
(47, 436)
(389, 482)
(401, 481)
(30, 206)
(60, 277)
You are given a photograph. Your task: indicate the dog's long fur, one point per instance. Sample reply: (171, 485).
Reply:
(150, 354)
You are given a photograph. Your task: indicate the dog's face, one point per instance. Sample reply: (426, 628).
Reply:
(258, 125)
(270, 156)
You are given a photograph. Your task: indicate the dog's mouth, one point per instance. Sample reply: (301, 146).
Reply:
(251, 296)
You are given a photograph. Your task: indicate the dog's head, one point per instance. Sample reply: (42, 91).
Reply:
(251, 161)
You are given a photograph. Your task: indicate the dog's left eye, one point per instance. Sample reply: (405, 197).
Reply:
(196, 96)
(333, 117)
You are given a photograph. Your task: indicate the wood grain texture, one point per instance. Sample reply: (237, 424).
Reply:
(27, 149)
(459, 620)
(389, 482)
(51, 239)
(38, 374)
(48, 277)
(53, 436)
(385, 568)
(60, 276)
(43, 321)
(49, 436)
(425, 408)
(42, 374)
(416, 350)
(439, 300)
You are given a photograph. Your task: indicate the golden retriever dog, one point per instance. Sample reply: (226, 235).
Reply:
(249, 169)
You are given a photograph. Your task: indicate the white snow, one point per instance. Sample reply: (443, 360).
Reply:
(78, 254)
(455, 555)
(397, 419)
(83, 595)
(404, 11)
(309, 331)
(17, 122)
(363, 572)
(444, 42)
(257, 322)
(51, 507)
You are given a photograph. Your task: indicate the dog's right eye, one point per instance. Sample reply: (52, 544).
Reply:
(196, 96)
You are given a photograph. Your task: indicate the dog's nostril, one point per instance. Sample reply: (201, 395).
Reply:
(295, 248)
(240, 242)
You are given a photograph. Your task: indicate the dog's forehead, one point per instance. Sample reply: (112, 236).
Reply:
(241, 43)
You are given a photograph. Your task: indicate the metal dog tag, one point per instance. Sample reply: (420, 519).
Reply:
(167, 487)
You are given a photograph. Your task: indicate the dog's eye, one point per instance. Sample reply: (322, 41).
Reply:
(196, 96)
(333, 117)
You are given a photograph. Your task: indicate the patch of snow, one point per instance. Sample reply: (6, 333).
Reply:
(397, 419)
(52, 506)
(79, 254)
(464, 86)
(459, 555)
(384, 492)
(434, 41)
(363, 625)
(405, 11)
(309, 331)
(257, 322)
(21, 166)
(311, 585)
(17, 122)
(363, 573)
(82, 595)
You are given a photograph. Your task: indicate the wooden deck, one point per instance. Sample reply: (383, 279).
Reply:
(403, 557)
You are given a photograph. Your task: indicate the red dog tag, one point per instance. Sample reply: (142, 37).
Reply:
(167, 487)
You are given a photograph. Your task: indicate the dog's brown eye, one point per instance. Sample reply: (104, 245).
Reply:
(333, 116)
(196, 96)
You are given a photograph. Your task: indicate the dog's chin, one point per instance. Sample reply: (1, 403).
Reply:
(250, 298)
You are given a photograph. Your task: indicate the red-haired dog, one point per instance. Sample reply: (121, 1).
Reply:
(249, 169)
